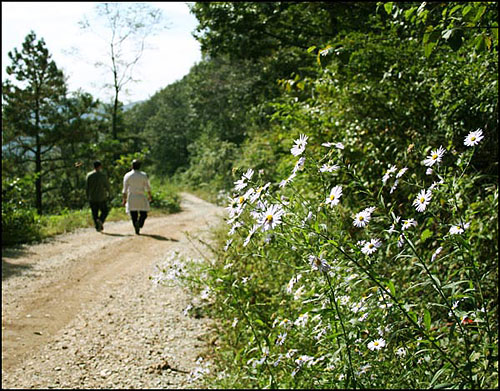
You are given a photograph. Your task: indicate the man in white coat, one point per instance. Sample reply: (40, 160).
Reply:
(135, 187)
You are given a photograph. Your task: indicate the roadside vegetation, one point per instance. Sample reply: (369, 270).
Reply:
(355, 148)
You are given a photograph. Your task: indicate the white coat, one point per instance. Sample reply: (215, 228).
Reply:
(135, 185)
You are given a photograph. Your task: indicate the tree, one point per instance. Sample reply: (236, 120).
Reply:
(31, 106)
(128, 25)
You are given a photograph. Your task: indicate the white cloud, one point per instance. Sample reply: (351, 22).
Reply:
(174, 50)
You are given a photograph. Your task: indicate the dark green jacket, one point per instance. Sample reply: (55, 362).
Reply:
(97, 186)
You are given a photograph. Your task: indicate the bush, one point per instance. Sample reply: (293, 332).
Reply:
(20, 222)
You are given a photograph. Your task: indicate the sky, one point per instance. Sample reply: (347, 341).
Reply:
(171, 54)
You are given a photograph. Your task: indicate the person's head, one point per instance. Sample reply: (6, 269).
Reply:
(97, 165)
(136, 164)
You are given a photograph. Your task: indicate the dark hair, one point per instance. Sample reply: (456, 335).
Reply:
(136, 164)
(97, 163)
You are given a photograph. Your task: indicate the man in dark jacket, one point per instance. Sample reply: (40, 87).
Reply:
(97, 194)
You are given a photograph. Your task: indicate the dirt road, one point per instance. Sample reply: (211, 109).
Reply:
(81, 312)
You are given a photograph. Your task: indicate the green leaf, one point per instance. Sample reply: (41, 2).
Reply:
(494, 32)
(259, 322)
(455, 8)
(436, 376)
(392, 288)
(309, 50)
(428, 48)
(409, 12)
(480, 43)
(425, 235)
(479, 14)
(427, 319)
(466, 10)
(388, 7)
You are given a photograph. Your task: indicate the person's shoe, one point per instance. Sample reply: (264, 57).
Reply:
(137, 229)
(99, 226)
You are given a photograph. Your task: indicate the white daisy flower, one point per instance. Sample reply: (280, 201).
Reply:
(422, 200)
(292, 282)
(328, 168)
(361, 219)
(302, 320)
(458, 229)
(319, 263)
(339, 145)
(298, 293)
(255, 196)
(281, 339)
(291, 353)
(205, 294)
(286, 323)
(271, 217)
(392, 169)
(370, 210)
(299, 165)
(235, 322)
(248, 175)
(401, 352)
(408, 223)
(363, 317)
(300, 145)
(303, 359)
(401, 241)
(328, 145)
(187, 309)
(371, 246)
(334, 197)
(434, 157)
(234, 228)
(377, 344)
(401, 172)
(228, 243)
(286, 181)
(429, 171)
(395, 186)
(473, 138)
(436, 253)
(250, 234)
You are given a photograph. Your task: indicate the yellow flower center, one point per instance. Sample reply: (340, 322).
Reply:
(269, 218)
(241, 200)
(332, 197)
(375, 343)
(371, 245)
(473, 138)
(361, 218)
(435, 156)
(422, 200)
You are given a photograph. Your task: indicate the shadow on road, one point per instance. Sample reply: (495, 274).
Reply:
(110, 234)
(11, 269)
(159, 237)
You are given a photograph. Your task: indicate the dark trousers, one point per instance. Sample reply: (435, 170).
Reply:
(142, 217)
(97, 207)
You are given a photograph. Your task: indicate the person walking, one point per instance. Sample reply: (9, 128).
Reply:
(97, 193)
(135, 186)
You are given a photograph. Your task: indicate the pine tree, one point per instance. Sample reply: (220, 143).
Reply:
(32, 100)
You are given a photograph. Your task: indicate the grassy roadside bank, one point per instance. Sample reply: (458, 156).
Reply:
(166, 200)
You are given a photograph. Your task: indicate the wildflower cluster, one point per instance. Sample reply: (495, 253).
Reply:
(324, 281)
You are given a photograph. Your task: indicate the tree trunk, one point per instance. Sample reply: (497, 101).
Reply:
(114, 116)
(38, 159)
(38, 171)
